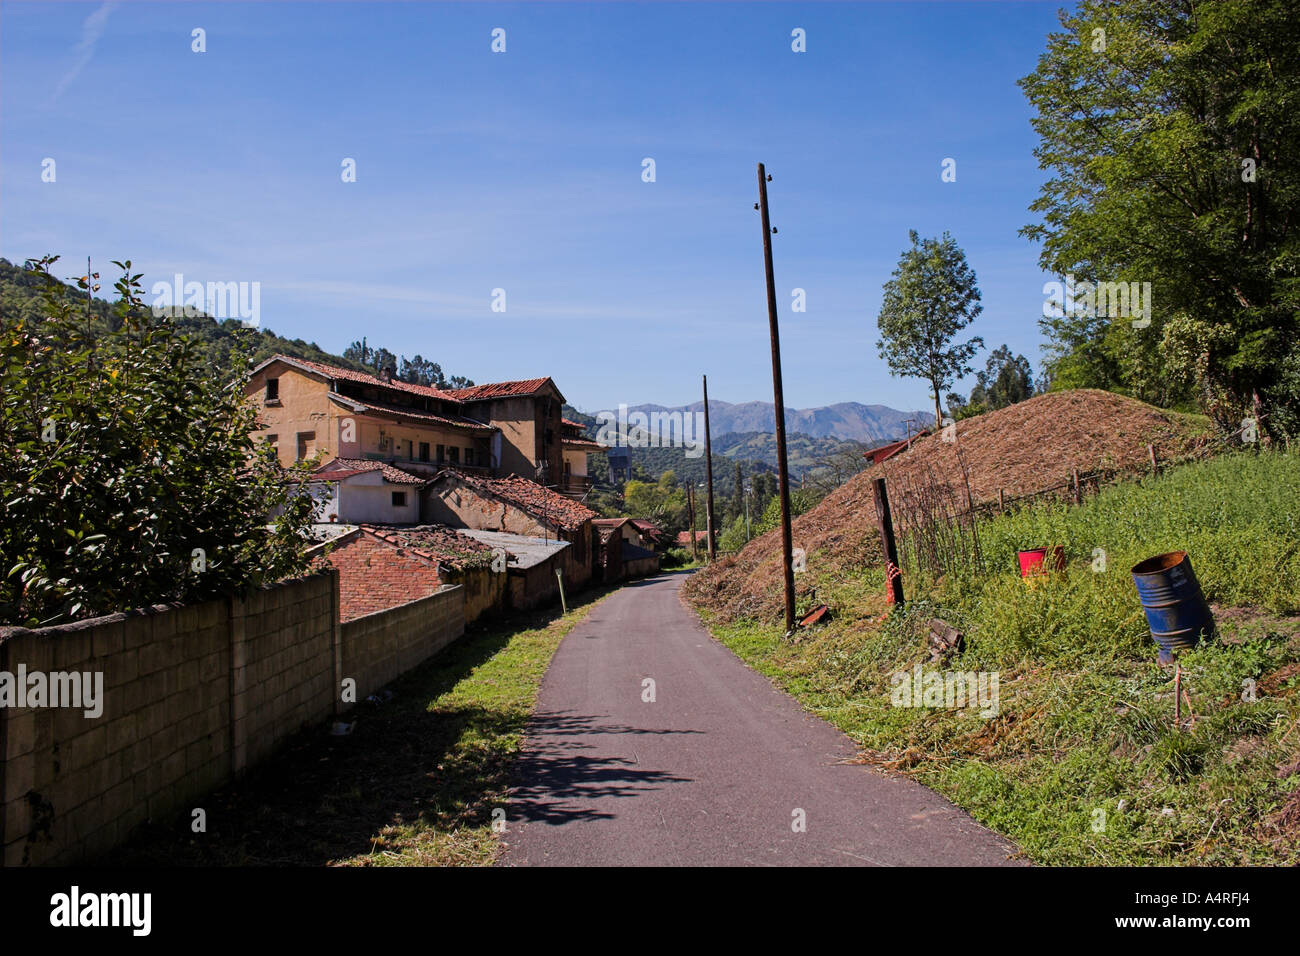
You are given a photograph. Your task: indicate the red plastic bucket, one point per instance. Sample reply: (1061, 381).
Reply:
(1036, 561)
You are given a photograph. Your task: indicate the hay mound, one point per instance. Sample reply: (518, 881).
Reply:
(1020, 449)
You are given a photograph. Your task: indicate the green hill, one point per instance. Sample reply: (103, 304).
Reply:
(21, 298)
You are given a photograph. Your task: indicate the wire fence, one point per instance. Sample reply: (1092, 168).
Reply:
(940, 520)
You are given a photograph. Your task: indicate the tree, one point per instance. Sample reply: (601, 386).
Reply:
(419, 371)
(416, 371)
(127, 467)
(358, 352)
(930, 298)
(736, 506)
(1005, 380)
(1172, 138)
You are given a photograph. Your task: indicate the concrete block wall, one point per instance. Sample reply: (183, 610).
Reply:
(486, 591)
(282, 670)
(379, 647)
(191, 696)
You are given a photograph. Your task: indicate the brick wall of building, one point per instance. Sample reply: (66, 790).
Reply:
(375, 576)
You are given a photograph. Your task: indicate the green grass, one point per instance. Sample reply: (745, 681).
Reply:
(416, 782)
(1083, 763)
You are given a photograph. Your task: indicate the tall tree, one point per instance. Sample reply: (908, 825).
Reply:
(420, 371)
(929, 299)
(1006, 379)
(1171, 133)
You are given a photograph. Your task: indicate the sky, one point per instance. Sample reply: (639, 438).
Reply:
(524, 171)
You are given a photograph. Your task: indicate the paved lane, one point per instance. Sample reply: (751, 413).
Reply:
(716, 771)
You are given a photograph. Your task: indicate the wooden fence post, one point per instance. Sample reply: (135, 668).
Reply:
(1078, 494)
(893, 574)
(1001, 506)
(1155, 464)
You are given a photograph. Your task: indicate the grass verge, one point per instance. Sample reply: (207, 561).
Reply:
(414, 784)
(1083, 762)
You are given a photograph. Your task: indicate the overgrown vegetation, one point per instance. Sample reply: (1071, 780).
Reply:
(1170, 134)
(1083, 762)
(24, 296)
(127, 469)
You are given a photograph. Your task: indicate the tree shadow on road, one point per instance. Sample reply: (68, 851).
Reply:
(553, 779)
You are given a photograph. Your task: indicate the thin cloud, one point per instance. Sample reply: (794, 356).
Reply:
(91, 30)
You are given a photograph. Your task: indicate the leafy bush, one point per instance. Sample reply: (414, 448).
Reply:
(127, 469)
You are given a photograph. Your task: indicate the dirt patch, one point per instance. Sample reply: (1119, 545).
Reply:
(1021, 449)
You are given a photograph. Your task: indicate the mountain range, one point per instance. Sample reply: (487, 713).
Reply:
(850, 421)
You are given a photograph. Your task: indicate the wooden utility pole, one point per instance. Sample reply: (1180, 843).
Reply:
(893, 575)
(778, 399)
(690, 509)
(708, 471)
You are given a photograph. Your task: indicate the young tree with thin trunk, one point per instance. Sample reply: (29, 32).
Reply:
(928, 300)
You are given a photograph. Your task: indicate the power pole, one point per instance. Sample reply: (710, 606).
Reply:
(747, 491)
(778, 397)
(708, 470)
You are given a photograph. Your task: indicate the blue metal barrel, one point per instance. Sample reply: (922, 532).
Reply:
(1175, 607)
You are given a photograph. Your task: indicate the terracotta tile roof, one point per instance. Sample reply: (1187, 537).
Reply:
(465, 424)
(334, 372)
(572, 424)
(608, 527)
(340, 468)
(582, 444)
(477, 393)
(473, 393)
(436, 543)
(529, 496)
(684, 538)
(648, 528)
(884, 452)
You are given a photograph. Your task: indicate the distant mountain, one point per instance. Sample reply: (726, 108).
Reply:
(850, 421)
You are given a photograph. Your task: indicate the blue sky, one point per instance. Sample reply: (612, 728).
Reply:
(523, 171)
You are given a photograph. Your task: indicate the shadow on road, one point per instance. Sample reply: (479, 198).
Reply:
(554, 777)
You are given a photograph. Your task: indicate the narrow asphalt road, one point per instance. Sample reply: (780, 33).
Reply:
(719, 770)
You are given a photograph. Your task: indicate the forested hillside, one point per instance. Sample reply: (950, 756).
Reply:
(21, 297)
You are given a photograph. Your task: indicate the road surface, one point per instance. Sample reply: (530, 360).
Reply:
(721, 769)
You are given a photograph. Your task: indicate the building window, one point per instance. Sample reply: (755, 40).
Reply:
(453, 455)
(399, 499)
(424, 451)
(273, 441)
(442, 454)
(469, 456)
(306, 445)
(273, 391)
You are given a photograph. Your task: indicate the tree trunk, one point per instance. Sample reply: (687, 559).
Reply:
(938, 413)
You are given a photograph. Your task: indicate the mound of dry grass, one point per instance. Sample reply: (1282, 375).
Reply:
(1029, 446)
